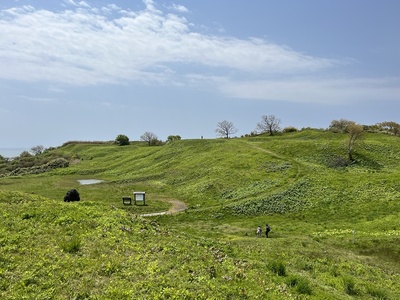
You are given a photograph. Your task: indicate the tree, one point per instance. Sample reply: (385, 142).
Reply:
(172, 138)
(390, 126)
(122, 140)
(150, 138)
(340, 125)
(37, 149)
(269, 123)
(225, 129)
(355, 134)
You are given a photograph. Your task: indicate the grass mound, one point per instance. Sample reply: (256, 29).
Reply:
(334, 235)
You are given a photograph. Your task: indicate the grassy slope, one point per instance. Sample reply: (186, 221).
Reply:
(335, 232)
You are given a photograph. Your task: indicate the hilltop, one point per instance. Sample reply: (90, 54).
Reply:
(335, 231)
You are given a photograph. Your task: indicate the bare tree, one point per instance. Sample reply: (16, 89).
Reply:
(355, 132)
(225, 129)
(390, 126)
(149, 137)
(340, 125)
(269, 123)
(37, 149)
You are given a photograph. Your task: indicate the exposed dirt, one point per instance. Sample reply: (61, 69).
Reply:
(177, 206)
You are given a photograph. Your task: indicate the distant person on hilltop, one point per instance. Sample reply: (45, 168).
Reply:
(267, 230)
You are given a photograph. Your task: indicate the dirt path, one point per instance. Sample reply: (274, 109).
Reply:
(177, 206)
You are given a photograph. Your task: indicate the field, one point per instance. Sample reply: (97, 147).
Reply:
(335, 229)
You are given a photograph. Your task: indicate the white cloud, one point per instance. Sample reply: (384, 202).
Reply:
(179, 8)
(37, 99)
(86, 46)
(315, 90)
(80, 3)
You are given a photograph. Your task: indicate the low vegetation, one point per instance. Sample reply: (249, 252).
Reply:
(335, 230)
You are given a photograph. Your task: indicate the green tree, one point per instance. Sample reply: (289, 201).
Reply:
(122, 140)
(225, 129)
(172, 138)
(355, 135)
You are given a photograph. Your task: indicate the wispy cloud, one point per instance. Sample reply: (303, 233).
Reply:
(85, 45)
(179, 8)
(315, 90)
(37, 99)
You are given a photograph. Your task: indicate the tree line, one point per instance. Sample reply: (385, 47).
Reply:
(271, 124)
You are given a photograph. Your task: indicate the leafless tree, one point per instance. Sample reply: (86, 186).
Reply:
(269, 123)
(149, 137)
(340, 125)
(391, 126)
(37, 149)
(225, 129)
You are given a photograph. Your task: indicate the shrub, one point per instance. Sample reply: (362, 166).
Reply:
(58, 163)
(122, 140)
(290, 129)
(155, 142)
(337, 162)
(72, 246)
(278, 268)
(172, 138)
(349, 285)
(377, 293)
(303, 287)
(72, 195)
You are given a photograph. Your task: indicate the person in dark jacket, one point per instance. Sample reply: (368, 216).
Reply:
(267, 230)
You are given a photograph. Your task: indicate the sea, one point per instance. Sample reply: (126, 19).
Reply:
(9, 152)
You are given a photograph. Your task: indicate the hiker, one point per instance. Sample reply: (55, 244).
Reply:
(267, 230)
(259, 231)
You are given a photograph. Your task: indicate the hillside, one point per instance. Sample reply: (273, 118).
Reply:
(335, 230)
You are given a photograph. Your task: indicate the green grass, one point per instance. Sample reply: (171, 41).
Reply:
(335, 231)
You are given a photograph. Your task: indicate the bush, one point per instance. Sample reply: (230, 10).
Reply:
(72, 195)
(172, 138)
(377, 293)
(303, 287)
(278, 268)
(155, 142)
(122, 140)
(290, 129)
(349, 285)
(338, 162)
(71, 246)
(58, 163)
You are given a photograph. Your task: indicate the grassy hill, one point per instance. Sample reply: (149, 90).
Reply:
(335, 230)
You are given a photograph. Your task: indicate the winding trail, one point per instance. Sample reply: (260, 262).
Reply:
(177, 206)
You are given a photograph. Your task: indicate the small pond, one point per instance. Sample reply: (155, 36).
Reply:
(89, 181)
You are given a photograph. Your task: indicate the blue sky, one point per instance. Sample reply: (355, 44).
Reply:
(90, 70)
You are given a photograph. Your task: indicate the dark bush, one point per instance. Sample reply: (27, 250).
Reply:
(337, 162)
(290, 129)
(278, 268)
(58, 163)
(72, 195)
(122, 140)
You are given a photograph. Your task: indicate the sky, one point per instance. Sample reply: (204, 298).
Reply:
(88, 70)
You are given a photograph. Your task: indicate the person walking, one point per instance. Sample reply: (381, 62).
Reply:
(267, 230)
(259, 231)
